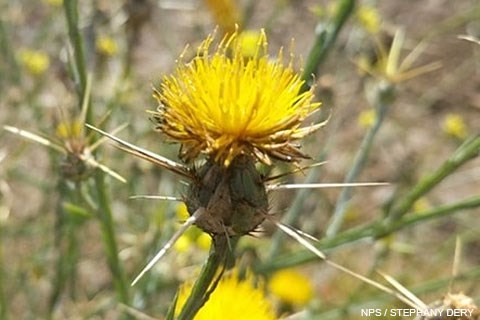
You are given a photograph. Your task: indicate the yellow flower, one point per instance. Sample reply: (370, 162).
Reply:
(106, 46)
(225, 13)
(366, 118)
(36, 62)
(454, 125)
(369, 18)
(291, 287)
(233, 299)
(223, 105)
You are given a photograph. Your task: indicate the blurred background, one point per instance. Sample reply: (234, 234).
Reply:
(55, 257)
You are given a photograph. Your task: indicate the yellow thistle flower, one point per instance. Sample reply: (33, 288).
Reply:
(454, 126)
(106, 46)
(225, 13)
(291, 287)
(223, 105)
(36, 62)
(233, 299)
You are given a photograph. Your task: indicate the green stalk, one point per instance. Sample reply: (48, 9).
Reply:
(326, 35)
(71, 13)
(206, 283)
(3, 301)
(104, 213)
(374, 230)
(60, 231)
(361, 157)
(10, 66)
(467, 151)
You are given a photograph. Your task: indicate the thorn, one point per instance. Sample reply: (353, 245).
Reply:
(191, 220)
(149, 197)
(325, 185)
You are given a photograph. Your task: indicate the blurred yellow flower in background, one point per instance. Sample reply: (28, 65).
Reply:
(224, 105)
(183, 243)
(369, 18)
(421, 204)
(193, 236)
(367, 118)
(225, 14)
(291, 287)
(35, 61)
(203, 241)
(249, 40)
(106, 46)
(233, 299)
(54, 3)
(182, 212)
(454, 125)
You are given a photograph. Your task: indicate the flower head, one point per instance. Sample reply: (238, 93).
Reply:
(224, 105)
(233, 299)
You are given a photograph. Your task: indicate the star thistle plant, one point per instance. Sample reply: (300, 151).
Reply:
(235, 112)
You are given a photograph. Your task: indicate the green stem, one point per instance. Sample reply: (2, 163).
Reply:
(60, 272)
(326, 35)
(104, 211)
(361, 157)
(206, 281)
(71, 13)
(3, 301)
(10, 66)
(467, 151)
(374, 230)
(109, 241)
